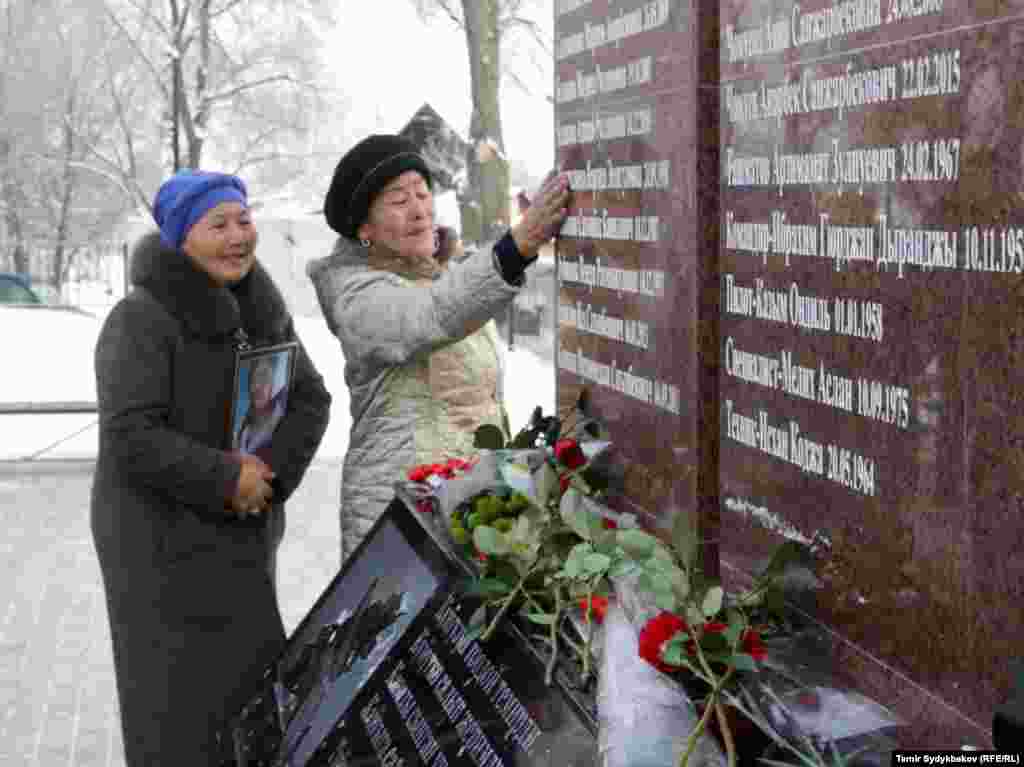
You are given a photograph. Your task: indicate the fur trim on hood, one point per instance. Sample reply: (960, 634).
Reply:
(205, 308)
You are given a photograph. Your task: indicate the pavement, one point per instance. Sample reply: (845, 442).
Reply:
(58, 700)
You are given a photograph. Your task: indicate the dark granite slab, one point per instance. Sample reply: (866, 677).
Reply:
(383, 670)
(834, 292)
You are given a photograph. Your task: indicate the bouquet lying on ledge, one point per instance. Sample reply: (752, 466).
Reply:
(530, 513)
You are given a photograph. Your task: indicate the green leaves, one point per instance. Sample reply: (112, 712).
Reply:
(660, 577)
(488, 437)
(784, 555)
(595, 564)
(674, 651)
(743, 662)
(694, 615)
(489, 588)
(735, 628)
(585, 563)
(712, 603)
(622, 567)
(685, 540)
(545, 483)
(490, 541)
(542, 619)
(636, 543)
(574, 511)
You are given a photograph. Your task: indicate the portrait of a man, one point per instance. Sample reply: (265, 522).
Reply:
(262, 382)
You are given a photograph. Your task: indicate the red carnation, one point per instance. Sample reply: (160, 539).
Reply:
(753, 646)
(598, 607)
(569, 454)
(655, 633)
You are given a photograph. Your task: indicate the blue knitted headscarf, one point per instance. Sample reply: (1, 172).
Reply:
(183, 199)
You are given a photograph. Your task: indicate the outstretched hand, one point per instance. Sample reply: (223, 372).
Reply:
(543, 219)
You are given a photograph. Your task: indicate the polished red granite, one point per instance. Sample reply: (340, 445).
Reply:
(840, 244)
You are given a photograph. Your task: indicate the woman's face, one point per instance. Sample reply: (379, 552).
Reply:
(401, 217)
(223, 243)
(261, 386)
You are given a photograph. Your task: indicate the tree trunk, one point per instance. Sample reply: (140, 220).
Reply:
(196, 126)
(12, 218)
(484, 207)
(61, 261)
(177, 91)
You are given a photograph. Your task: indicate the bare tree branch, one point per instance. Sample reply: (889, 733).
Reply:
(148, 14)
(535, 30)
(252, 160)
(215, 14)
(446, 6)
(158, 77)
(243, 87)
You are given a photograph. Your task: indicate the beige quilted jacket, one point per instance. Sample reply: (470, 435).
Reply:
(422, 362)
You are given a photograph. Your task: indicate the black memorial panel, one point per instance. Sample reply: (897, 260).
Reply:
(383, 670)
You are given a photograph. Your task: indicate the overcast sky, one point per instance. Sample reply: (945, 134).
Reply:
(389, 62)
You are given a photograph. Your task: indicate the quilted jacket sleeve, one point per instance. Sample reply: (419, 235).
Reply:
(383, 319)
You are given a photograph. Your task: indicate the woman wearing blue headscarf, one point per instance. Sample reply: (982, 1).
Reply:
(186, 531)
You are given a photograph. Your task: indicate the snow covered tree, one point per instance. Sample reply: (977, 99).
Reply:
(492, 27)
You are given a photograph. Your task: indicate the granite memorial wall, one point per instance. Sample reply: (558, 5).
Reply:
(636, 128)
(791, 282)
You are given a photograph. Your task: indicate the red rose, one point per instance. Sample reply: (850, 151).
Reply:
(569, 454)
(481, 556)
(598, 607)
(564, 482)
(753, 646)
(457, 464)
(655, 633)
(609, 524)
(424, 506)
(714, 627)
(420, 473)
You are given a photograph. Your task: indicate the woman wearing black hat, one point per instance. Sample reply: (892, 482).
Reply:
(422, 358)
(186, 532)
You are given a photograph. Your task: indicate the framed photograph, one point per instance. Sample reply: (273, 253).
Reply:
(263, 381)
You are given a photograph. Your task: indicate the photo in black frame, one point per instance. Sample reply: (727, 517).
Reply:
(355, 683)
(262, 383)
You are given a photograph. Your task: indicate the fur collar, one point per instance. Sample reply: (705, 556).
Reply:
(205, 308)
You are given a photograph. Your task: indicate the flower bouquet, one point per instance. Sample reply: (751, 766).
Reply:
(530, 513)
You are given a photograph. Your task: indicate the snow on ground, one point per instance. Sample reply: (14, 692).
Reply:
(53, 361)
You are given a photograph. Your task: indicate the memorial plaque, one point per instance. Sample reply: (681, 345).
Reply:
(872, 246)
(792, 275)
(383, 671)
(636, 130)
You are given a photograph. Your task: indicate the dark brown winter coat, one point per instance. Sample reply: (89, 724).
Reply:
(190, 589)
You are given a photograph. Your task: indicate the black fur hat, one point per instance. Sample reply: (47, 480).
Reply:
(364, 170)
